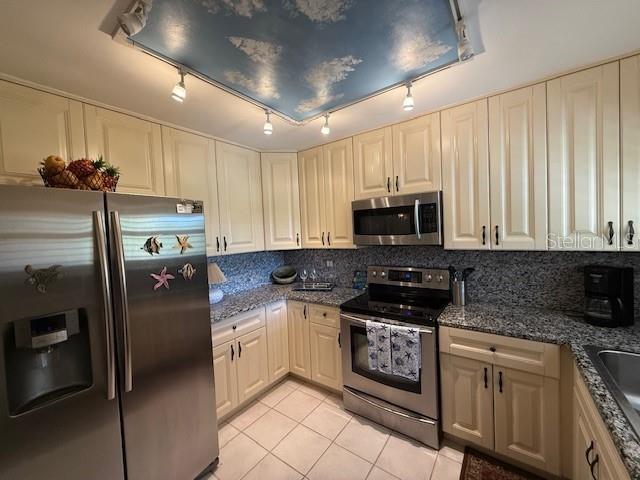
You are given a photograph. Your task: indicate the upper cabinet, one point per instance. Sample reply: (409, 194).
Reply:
(326, 193)
(338, 187)
(132, 144)
(190, 172)
(584, 161)
(630, 175)
(239, 199)
(416, 155)
(373, 166)
(518, 161)
(465, 176)
(281, 201)
(33, 125)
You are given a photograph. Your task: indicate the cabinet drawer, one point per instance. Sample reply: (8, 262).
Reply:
(534, 357)
(238, 325)
(322, 315)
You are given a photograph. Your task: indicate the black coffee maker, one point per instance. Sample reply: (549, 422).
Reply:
(608, 295)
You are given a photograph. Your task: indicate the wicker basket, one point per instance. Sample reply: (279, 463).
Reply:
(67, 179)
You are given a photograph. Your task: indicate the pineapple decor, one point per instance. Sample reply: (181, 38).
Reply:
(82, 174)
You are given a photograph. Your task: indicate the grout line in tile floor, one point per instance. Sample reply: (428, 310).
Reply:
(296, 385)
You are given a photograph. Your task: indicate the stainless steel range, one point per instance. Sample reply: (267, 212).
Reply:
(397, 297)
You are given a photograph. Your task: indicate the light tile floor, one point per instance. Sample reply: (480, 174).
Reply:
(298, 431)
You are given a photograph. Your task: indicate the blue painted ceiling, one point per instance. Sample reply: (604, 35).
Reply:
(303, 57)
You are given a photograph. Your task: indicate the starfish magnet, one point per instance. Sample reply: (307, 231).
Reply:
(162, 278)
(183, 243)
(187, 271)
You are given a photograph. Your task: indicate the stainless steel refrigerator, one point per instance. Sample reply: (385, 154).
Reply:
(105, 352)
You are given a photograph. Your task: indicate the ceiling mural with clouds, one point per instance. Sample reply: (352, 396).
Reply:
(303, 57)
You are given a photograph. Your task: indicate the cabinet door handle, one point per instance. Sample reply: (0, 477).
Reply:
(631, 233)
(388, 184)
(304, 311)
(611, 233)
(298, 239)
(592, 465)
(322, 238)
(339, 340)
(239, 349)
(484, 234)
(233, 352)
(397, 183)
(486, 378)
(329, 238)
(497, 235)
(500, 381)
(492, 349)
(217, 244)
(224, 240)
(588, 451)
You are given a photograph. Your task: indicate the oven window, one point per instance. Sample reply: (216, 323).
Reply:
(395, 220)
(360, 364)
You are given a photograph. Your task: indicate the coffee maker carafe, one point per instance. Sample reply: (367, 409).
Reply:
(608, 295)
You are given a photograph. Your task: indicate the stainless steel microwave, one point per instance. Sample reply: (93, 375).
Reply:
(414, 219)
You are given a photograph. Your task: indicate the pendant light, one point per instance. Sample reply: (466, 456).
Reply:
(179, 92)
(268, 126)
(407, 105)
(325, 130)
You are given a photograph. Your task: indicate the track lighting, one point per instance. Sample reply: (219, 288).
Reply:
(135, 20)
(179, 92)
(268, 126)
(407, 105)
(465, 50)
(325, 130)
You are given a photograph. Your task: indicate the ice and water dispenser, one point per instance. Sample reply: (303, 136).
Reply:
(46, 358)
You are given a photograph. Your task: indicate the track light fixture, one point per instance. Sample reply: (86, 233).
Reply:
(325, 130)
(465, 50)
(134, 21)
(407, 105)
(179, 92)
(268, 126)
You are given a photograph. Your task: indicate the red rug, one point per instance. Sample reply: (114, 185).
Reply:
(478, 466)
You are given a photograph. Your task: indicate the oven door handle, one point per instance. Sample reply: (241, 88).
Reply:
(391, 410)
(416, 217)
(363, 321)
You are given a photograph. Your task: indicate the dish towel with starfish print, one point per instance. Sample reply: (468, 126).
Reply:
(406, 352)
(379, 346)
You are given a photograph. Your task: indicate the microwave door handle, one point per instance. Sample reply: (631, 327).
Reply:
(416, 218)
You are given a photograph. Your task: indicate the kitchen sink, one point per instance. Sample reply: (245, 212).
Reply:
(620, 372)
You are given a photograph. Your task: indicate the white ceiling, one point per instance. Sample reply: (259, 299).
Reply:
(62, 44)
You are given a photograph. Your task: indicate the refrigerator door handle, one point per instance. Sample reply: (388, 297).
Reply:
(119, 250)
(106, 297)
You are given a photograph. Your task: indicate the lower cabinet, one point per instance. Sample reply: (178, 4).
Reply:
(299, 349)
(225, 378)
(326, 365)
(253, 373)
(594, 454)
(277, 340)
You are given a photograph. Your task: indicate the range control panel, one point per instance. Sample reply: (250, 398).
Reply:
(435, 278)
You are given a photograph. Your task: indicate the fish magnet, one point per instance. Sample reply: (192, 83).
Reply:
(187, 271)
(152, 245)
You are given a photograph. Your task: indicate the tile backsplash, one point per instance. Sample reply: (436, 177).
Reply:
(247, 270)
(537, 279)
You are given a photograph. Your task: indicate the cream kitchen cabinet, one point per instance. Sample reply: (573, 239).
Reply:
(190, 172)
(518, 166)
(373, 164)
(299, 348)
(326, 193)
(132, 144)
(630, 174)
(584, 170)
(277, 340)
(253, 370)
(226, 381)
(239, 199)
(281, 201)
(312, 198)
(594, 454)
(324, 339)
(468, 393)
(465, 176)
(34, 125)
(502, 394)
(416, 155)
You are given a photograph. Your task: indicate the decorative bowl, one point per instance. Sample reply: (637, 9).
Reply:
(284, 275)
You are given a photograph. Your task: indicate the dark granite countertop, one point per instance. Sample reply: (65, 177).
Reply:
(563, 329)
(257, 297)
